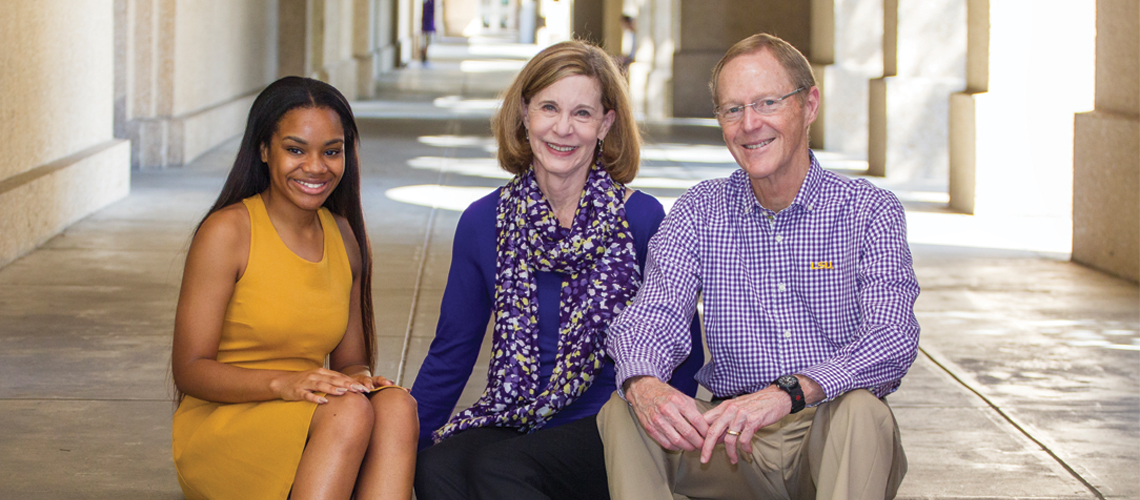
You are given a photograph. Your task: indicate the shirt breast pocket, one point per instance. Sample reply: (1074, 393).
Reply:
(827, 290)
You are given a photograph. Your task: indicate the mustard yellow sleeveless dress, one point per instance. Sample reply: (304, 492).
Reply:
(286, 313)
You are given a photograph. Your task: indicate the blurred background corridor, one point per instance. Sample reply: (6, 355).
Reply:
(1010, 129)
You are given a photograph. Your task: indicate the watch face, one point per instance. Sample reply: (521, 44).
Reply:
(788, 381)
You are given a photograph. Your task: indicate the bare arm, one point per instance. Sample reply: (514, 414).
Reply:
(215, 262)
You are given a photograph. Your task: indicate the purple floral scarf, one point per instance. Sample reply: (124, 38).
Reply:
(597, 254)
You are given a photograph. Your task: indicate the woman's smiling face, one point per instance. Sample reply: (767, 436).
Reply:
(565, 121)
(305, 156)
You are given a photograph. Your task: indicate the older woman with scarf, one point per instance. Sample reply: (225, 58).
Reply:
(551, 258)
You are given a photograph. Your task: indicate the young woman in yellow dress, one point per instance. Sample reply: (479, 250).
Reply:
(277, 279)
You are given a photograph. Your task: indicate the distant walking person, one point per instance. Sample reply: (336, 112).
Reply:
(427, 28)
(278, 277)
(808, 301)
(628, 43)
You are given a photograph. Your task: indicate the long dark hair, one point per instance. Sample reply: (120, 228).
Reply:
(250, 176)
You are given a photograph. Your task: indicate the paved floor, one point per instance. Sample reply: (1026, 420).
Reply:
(1026, 387)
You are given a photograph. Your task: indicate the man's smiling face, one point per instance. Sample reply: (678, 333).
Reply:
(764, 145)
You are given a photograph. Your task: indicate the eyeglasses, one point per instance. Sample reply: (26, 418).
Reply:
(733, 113)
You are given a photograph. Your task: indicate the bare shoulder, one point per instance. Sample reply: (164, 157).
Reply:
(222, 242)
(350, 245)
(228, 226)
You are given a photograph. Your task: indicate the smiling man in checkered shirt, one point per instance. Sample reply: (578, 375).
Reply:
(808, 297)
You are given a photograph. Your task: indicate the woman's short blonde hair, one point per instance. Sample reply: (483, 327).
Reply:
(621, 152)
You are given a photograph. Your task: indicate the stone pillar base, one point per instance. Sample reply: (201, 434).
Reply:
(172, 141)
(963, 151)
(1106, 205)
(908, 130)
(841, 115)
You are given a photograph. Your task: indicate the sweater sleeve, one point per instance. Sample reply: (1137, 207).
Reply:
(463, 318)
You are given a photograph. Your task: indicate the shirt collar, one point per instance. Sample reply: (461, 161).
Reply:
(809, 191)
(805, 198)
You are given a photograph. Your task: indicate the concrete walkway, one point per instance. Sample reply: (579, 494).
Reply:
(1026, 387)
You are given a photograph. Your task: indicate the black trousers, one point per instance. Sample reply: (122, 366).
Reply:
(560, 463)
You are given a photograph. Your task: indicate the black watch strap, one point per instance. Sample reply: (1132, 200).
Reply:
(791, 385)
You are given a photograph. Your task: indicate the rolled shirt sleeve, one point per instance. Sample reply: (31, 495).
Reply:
(885, 342)
(652, 335)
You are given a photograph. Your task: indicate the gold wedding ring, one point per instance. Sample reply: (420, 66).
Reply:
(734, 433)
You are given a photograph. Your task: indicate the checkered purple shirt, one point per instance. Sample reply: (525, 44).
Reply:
(824, 289)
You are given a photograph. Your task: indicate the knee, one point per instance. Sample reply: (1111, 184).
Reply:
(348, 417)
(861, 407)
(396, 403)
(396, 411)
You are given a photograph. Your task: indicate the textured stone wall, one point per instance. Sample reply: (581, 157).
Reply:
(708, 28)
(1106, 169)
(846, 53)
(191, 70)
(924, 57)
(61, 160)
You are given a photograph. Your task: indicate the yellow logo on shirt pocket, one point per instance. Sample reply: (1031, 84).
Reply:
(825, 264)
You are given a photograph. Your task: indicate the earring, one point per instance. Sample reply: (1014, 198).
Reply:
(601, 145)
(526, 132)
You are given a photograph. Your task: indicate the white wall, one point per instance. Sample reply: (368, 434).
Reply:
(61, 161)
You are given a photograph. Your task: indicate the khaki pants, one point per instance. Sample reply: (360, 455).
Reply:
(846, 448)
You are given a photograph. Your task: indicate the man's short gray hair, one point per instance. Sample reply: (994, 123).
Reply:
(793, 62)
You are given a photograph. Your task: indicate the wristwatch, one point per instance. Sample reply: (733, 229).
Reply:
(791, 385)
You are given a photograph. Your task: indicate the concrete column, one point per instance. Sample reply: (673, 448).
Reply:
(612, 27)
(58, 80)
(924, 61)
(344, 43)
(337, 66)
(155, 139)
(707, 28)
(292, 45)
(1106, 169)
(365, 49)
(666, 33)
(459, 16)
(387, 46)
(846, 53)
(407, 29)
(644, 60)
(528, 21)
(599, 22)
(557, 22)
(1030, 66)
(190, 71)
